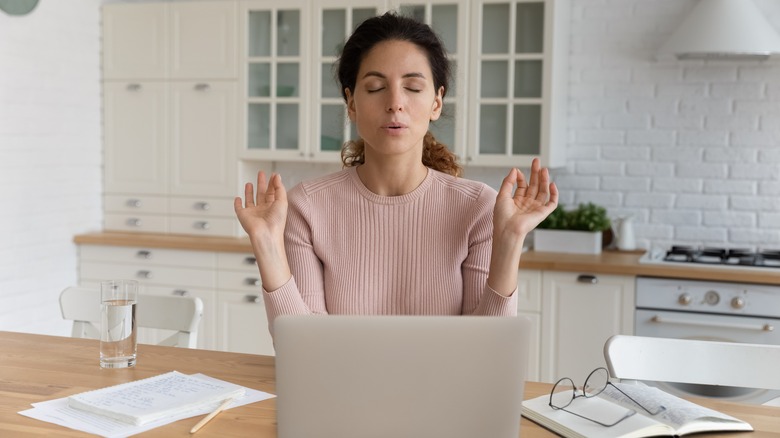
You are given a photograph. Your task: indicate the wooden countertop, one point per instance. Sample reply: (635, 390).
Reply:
(608, 262)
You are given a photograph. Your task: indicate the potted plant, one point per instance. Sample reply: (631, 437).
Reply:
(574, 231)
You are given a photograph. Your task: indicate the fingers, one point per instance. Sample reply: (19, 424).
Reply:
(276, 190)
(533, 183)
(508, 183)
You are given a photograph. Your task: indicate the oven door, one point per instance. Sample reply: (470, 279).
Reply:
(701, 326)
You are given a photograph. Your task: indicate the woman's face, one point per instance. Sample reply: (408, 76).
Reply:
(394, 99)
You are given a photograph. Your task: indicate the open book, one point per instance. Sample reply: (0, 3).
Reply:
(680, 417)
(157, 397)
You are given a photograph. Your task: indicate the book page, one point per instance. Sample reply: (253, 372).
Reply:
(148, 399)
(677, 413)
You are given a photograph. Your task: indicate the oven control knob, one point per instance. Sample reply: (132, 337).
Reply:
(737, 302)
(712, 298)
(684, 299)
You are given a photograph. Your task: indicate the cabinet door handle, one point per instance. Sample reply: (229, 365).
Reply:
(252, 281)
(586, 278)
(204, 206)
(144, 254)
(133, 203)
(202, 87)
(181, 293)
(253, 299)
(250, 260)
(147, 275)
(133, 222)
(133, 87)
(202, 225)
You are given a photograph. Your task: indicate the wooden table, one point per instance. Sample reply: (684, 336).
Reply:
(36, 368)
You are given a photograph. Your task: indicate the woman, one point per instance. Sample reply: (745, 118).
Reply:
(396, 231)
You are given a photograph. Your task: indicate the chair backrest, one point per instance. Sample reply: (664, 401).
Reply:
(693, 361)
(182, 314)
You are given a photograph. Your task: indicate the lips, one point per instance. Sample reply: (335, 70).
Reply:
(394, 125)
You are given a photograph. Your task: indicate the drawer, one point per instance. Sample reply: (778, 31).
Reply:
(204, 226)
(239, 281)
(139, 223)
(202, 207)
(148, 275)
(131, 204)
(234, 261)
(146, 257)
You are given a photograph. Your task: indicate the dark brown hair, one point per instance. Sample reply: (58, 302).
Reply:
(396, 27)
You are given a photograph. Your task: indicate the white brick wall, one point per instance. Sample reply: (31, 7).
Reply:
(712, 129)
(50, 156)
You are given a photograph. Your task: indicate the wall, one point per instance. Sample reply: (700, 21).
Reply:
(50, 156)
(691, 149)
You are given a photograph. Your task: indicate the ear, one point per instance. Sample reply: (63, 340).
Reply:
(350, 104)
(438, 104)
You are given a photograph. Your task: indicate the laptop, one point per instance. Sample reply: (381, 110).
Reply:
(400, 376)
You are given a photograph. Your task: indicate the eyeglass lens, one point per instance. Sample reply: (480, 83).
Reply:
(563, 393)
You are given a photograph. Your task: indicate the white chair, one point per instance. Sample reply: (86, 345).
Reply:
(182, 314)
(693, 362)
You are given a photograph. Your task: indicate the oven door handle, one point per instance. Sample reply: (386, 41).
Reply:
(762, 328)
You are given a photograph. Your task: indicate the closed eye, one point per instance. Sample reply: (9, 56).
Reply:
(374, 90)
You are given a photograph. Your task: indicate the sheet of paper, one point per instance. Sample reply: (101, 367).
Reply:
(58, 412)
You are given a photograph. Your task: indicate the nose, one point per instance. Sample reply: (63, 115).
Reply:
(395, 101)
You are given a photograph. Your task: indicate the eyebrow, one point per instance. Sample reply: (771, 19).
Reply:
(407, 75)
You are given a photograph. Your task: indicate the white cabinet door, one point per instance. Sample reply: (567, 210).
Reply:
(517, 94)
(243, 325)
(203, 40)
(135, 135)
(579, 313)
(182, 40)
(134, 41)
(203, 158)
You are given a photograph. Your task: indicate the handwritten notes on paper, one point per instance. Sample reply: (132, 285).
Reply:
(149, 399)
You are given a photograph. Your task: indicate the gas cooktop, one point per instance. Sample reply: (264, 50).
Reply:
(720, 256)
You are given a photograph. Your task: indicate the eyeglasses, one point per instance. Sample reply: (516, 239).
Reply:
(564, 392)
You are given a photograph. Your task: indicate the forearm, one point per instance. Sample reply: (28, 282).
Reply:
(271, 262)
(504, 262)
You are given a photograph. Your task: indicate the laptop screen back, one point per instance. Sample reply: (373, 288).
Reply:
(400, 376)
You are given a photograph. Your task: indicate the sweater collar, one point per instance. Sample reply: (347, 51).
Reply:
(390, 200)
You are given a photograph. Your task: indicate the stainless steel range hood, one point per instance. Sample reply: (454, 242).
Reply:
(722, 29)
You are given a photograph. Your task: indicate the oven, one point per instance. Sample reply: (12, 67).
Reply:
(709, 310)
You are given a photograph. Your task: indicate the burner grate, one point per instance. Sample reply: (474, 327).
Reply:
(723, 256)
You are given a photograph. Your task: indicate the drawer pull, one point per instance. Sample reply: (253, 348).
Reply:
(134, 222)
(202, 87)
(133, 87)
(252, 281)
(133, 203)
(144, 254)
(147, 275)
(253, 299)
(589, 279)
(203, 206)
(250, 260)
(181, 293)
(201, 225)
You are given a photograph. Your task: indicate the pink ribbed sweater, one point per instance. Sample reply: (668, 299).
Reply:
(423, 253)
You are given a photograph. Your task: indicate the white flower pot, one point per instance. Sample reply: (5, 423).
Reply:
(577, 242)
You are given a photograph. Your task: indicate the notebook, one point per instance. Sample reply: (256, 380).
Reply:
(400, 376)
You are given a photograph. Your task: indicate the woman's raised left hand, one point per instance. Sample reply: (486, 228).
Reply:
(517, 214)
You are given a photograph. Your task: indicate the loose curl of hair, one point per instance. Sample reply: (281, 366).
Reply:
(396, 27)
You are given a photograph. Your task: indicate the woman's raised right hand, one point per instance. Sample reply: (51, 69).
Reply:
(263, 215)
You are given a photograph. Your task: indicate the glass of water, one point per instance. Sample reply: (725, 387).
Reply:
(118, 330)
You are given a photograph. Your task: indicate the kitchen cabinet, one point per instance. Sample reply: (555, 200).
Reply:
(243, 324)
(234, 316)
(580, 311)
(170, 125)
(529, 305)
(292, 107)
(518, 82)
(159, 272)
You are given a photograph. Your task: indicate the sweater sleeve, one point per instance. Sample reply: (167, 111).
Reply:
(478, 297)
(304, 293)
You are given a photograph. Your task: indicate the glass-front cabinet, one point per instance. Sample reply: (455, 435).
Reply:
(275, 87)
(518, 83)
(507, 98)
